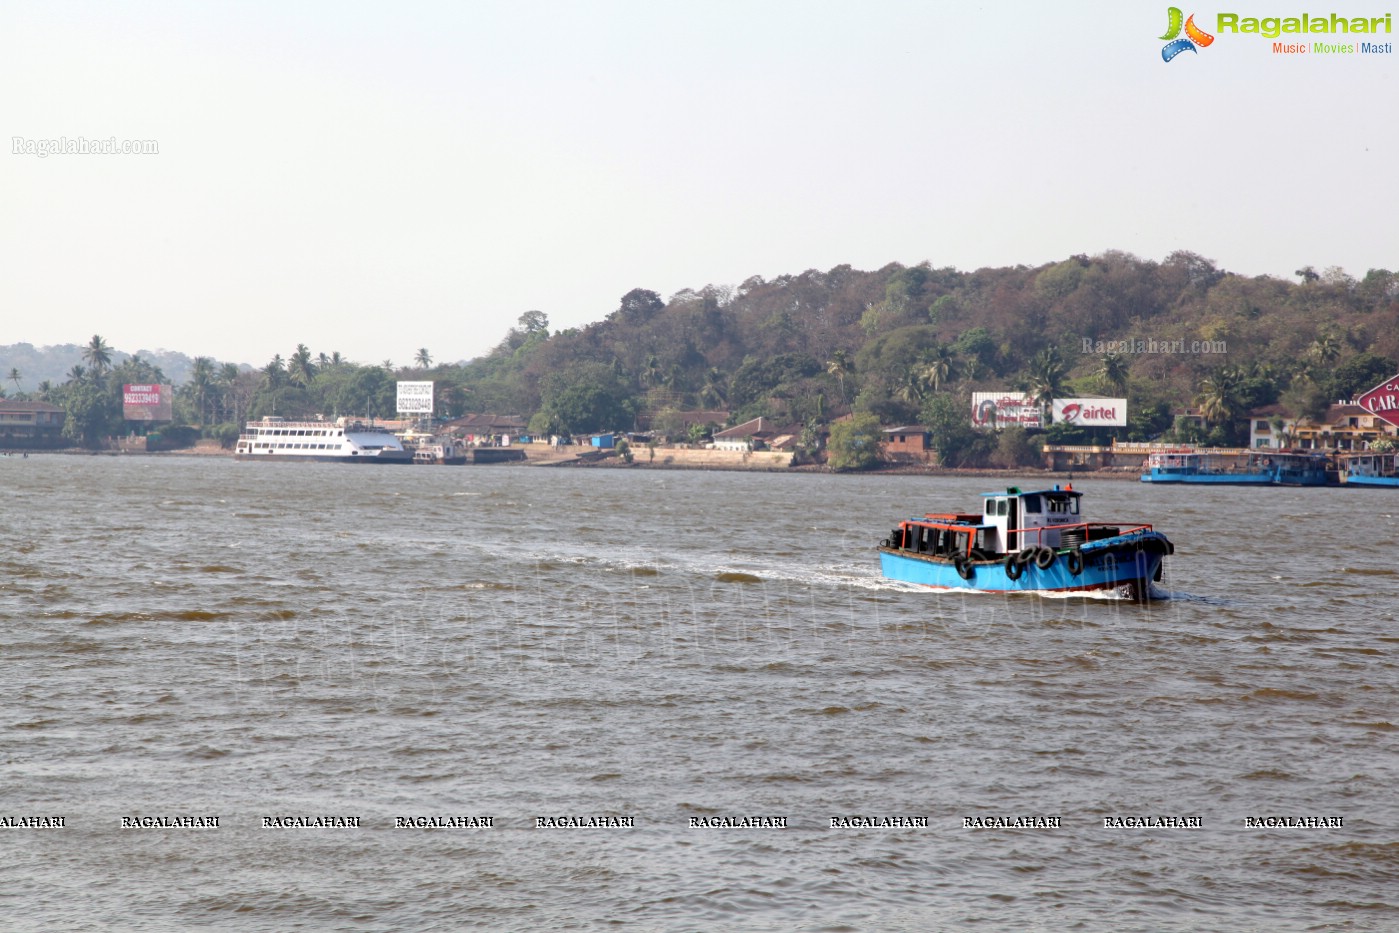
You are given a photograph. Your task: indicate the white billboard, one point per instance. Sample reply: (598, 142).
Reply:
(1003, 409)
(1091, 412)
(415, 398)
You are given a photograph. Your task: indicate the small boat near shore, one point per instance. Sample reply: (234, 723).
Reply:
(431, 449)
(340, 441)
(1025, 542)
(1370, 469)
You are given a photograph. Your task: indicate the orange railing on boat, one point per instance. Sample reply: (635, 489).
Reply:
(960, 524)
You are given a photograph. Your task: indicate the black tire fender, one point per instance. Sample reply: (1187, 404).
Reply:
(1014, 568)
(1076, 562)
(1045, 557)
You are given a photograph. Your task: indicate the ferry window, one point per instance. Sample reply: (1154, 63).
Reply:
(990, 506)
(1000, 506)
(1032, 503)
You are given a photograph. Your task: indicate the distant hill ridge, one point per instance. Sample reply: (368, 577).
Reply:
(53, 363)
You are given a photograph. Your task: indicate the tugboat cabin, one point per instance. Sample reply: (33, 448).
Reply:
(1011, 521)
(1026, 519)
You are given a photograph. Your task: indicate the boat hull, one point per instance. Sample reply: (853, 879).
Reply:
(380, 459)
(1374, 482)
(1210, 479)
(1105, 565)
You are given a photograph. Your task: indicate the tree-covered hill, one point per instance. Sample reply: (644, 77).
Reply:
(1169, 335)
(905, 344)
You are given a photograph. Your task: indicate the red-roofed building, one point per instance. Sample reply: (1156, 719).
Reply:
(1345, 426)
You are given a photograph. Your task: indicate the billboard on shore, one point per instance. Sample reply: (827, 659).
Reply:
(146, 402)
(1383, 400)
(1091, 412)
(1003, 409)
(415, 398)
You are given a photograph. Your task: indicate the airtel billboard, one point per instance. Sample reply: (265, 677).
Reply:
(1091, 412)
(1383, 400)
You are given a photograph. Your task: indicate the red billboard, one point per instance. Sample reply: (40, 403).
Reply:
(1383, 400)
(146, 402)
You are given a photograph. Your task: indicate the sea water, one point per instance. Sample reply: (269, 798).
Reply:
(664, 700)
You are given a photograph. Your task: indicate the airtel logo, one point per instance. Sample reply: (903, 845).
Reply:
(1077, 412)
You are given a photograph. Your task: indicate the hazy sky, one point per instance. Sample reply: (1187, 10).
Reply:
(371, 178)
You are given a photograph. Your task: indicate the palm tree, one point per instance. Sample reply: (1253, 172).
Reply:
(77, 373)
(910, 387)
(1325, 348)
(423, 358)
(14, 376)
(1218, 397)
(45, 389)
(275, 371)
(227, 385)
(1046, 378)
(201, 384)
(712, 393)
(839, 366)
(299, 366)
(938, 370)
(1113, 372)
(98, 355)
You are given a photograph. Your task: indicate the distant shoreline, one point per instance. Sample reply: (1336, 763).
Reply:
(614, 463)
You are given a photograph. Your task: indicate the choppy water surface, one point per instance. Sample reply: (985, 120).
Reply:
(204, 637)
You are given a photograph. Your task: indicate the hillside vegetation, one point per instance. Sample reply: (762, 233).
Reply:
(905, 344)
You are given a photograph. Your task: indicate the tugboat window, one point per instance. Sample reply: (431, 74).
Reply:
(1032, 503)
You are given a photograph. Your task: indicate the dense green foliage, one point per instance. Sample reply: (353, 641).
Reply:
(904, 344)
(855, 444)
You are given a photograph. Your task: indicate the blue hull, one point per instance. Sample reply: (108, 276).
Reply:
(1276, 476)
(1107, 565)
(1391, 482)
(1216, 479)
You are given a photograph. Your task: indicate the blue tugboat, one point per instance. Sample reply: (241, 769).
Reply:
(1025, 541)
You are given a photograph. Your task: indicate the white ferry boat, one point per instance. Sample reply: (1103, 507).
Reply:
(339, 441)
